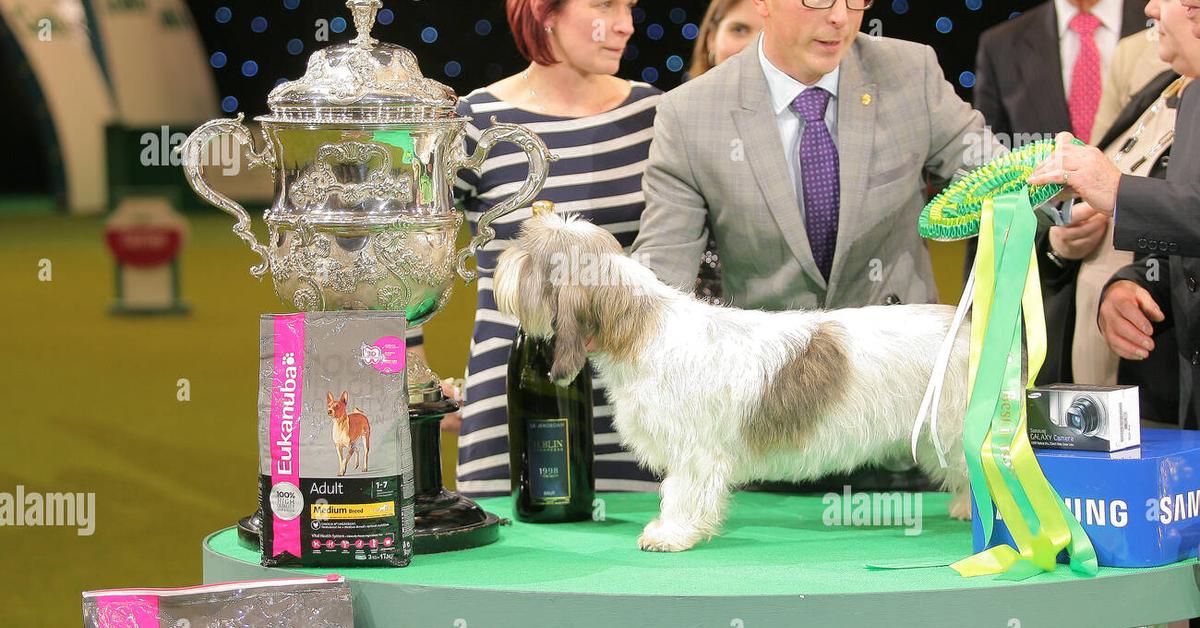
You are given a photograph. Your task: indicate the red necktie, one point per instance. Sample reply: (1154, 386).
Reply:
(1084, 100)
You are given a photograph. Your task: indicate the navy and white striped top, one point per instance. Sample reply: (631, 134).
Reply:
(599, 176)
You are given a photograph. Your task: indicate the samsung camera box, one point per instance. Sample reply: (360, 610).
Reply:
(1140, 506)
(1089, 418)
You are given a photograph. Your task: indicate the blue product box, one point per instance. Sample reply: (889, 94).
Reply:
(1139, 506)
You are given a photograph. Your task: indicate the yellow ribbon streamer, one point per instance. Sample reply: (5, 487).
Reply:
(1037, 519)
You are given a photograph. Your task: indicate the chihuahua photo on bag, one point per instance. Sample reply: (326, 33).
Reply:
(348, 429)
(336, 467)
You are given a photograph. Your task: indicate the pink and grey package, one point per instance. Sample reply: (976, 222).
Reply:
(315, 602)
(336, 468)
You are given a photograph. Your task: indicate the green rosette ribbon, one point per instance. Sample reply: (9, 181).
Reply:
(995, 203)
(954, 213)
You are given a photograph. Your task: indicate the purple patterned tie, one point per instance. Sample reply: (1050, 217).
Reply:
(818, 176)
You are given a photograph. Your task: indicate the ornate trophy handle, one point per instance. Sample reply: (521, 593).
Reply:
(193, 167)
(539, 167)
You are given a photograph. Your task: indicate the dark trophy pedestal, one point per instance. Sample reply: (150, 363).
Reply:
(444, 521)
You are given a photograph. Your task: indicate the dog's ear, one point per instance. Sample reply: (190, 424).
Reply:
(506, 286)
(329, 398)
(343, 399)
(571, 324)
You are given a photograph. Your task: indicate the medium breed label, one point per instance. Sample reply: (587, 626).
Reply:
(354, 511)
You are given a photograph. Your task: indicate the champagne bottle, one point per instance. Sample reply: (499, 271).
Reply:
(549, 437)
(549, 432)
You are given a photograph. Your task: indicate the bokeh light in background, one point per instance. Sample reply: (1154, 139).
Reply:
(466, 43)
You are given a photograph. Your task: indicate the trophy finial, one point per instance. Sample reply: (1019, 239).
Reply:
(364, 19)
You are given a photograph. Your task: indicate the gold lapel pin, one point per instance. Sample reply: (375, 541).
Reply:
(866, 100)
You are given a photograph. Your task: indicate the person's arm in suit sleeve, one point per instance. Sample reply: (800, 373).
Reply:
(673, 231)
(987, 90)
(1153, 210)
(953, 124)
(987, 100)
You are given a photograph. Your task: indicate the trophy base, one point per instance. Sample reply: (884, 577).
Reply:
(449, 522)
(250, 530)
(444, 521)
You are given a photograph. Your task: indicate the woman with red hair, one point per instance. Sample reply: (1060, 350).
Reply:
(600, 126)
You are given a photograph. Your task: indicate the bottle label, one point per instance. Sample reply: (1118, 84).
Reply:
(549, 466)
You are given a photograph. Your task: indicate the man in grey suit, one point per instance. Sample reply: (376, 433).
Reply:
(806, 155)
(1149, 216)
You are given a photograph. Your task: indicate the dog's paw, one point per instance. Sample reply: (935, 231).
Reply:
(666, 537)
(960, 507)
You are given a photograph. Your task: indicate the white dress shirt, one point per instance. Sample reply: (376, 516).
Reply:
(784, 89)
(1109, 12)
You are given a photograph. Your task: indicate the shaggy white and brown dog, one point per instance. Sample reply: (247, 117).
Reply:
(713, 397)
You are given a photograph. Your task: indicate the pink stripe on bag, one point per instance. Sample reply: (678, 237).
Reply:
(286, 403)
(127, 611)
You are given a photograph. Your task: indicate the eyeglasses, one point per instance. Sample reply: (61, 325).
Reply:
(853, 5)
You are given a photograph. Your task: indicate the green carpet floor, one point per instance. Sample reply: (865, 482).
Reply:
(773, 544)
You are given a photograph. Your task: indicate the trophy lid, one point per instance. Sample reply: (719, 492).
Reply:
(363, 80)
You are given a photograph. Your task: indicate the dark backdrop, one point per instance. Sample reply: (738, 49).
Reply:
(254, 44)
(466, 43)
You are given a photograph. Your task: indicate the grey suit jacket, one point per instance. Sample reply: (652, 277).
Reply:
(1163, 218)
(717, 160)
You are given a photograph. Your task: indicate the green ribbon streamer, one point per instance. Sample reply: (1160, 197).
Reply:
(1017, 237)
(994, 426)
(1001, 327)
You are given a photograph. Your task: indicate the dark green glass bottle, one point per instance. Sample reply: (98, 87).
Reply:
(549, 437)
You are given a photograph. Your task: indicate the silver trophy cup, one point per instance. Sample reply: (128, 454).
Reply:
(364, 152)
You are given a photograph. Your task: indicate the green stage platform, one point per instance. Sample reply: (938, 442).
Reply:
(776, 565)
